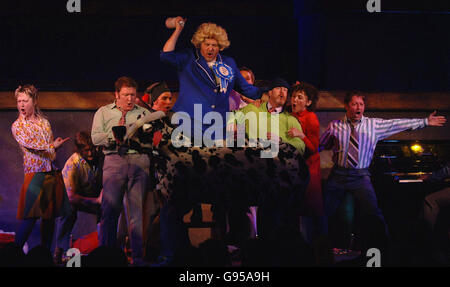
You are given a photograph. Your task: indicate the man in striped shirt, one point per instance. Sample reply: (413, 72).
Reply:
(353, 140)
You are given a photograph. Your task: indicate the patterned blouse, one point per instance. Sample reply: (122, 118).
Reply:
(36, 141)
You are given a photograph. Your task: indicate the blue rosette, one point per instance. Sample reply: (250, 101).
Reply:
(224, 73)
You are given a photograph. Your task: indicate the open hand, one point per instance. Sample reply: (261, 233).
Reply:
(295, 133)
(436, 121)
(257, 103)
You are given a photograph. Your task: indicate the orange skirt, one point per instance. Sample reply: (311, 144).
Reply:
(43, 195)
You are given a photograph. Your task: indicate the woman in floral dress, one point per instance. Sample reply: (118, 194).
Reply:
(43, 194)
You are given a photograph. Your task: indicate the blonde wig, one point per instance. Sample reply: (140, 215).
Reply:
(211, 31)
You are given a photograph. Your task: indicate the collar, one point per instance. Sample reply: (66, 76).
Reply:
(37, 120)
(346, 120)
(113, 105)
(301, 114)
(277, 110)
(81, 159)
(201, 62)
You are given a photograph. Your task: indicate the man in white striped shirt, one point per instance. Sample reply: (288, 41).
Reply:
(353, 140)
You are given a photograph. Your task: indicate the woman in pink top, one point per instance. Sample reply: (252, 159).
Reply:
(42, 194)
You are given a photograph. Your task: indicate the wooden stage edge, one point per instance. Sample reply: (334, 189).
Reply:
(329, 100)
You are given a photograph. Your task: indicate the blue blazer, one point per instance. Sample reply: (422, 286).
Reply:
(198, 84)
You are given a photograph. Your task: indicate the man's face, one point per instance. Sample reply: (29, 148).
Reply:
(163, 103)
(278, 96)
(25, 105)
(247, 76)
(87, 152)
(355, 108)
(126, 98)
(209, 49)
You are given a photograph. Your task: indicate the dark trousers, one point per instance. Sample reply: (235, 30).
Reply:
(173, 232)
(341, 182)
(65, 224)
(281, 210)
(434, 204)
(436, 216)
(26, 227)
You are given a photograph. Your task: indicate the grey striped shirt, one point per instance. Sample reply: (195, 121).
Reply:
(370, 131)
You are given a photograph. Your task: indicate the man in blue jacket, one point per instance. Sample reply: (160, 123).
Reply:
(206, 77)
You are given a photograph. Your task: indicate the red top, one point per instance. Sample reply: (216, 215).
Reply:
(310, 125)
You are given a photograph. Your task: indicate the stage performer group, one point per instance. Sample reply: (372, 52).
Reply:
(129, 173)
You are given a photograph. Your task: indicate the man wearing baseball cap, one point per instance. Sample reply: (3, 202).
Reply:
(278, 91)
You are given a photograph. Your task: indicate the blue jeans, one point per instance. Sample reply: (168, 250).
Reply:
(125, 175)
(356, 182)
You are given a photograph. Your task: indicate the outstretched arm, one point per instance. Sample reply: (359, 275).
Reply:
(386, 128)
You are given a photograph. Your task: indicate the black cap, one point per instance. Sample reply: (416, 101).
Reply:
(156, 91)
(279, 82)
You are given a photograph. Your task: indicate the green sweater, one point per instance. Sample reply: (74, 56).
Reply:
(286, 121)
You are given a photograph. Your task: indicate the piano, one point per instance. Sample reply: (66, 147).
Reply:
(407, 161)
(397, 170)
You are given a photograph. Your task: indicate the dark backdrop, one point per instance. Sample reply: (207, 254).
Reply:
(332, 44)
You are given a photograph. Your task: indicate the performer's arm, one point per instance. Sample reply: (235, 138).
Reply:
(386, 128)
(168, 54)
(169, 46)
(34, 143)
(70, 177)
(27, 139)
(243, 87)
(310, 136)
(99, 135)
(295, 124)
(326, 140)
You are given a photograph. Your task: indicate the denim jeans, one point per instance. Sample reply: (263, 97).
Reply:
(125, 175)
